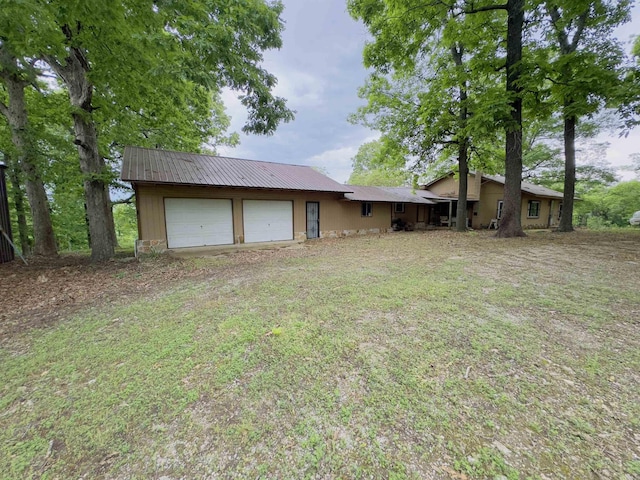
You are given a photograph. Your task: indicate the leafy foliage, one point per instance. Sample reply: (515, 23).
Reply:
(592, 171)
(124, 215)
(377, 164)
(414, 93)
(155, 71)
(583, 70)
(609, 206)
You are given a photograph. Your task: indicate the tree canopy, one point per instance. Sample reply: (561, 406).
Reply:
(453, 79)
(135, 72)
(378, 164)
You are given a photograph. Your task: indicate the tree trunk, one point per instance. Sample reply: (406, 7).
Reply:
(566, 221)
(511, 222)
(463, 168)
(18, 203)
(96, 185)
(457, 52)
(568, 47)
(16, 114)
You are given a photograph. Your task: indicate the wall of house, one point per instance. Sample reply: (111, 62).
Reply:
(338, 217)
(448, 187)
(493, 192)
(542, 220)
(343, 217)
(415, 214)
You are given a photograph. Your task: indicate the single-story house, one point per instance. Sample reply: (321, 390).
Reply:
(186, 200)
(192, 200)
(541, 207)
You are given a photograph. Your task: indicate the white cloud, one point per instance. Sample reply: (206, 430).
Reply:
(620, 150)
(301, 89)
(337, 161)
(234, 109)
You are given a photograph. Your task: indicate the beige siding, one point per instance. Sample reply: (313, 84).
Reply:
(341, 215)
(543, 220)
(448, 187)
(336, 215)
(493, 192)
(416, 214)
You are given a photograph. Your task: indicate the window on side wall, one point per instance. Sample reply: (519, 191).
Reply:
(367, 210)
(533, 211)
(398, 207)
(500, 205)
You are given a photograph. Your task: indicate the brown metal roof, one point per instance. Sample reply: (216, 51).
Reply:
(531, 188)
(162, 166)
(385, 194)
(411, 193)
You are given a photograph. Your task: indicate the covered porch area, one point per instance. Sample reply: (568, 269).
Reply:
(445, 210)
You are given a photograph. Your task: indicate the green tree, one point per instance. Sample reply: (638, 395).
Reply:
(150, 60)
(609, 206)
(584, 64)
(405, 32)
(592, 172)
(17, 74)
(374, 164)
(17, 202)
(124, 215)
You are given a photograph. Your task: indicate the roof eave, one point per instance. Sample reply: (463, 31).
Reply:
(208, 185)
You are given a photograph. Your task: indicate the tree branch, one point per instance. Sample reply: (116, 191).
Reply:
(57, 66)
(486, 8)
(4, 109)
(582, 20)
(128, 200)
(554, 13)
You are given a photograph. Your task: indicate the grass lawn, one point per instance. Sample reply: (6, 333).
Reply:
(410, 355)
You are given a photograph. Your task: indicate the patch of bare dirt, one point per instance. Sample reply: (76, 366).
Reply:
(48, 289)
(39, 293)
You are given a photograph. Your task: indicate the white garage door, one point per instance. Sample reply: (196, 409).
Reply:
(196, 222)
(267, 220)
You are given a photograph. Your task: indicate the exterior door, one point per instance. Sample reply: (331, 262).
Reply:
(313, 219)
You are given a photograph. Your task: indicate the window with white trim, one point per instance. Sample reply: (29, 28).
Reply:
(367, 209)
(533, 209)
(398, 207)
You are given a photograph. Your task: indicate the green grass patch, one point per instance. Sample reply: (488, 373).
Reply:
(401, 356)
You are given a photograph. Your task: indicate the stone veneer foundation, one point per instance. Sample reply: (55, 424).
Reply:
(151, 246)
(348, 233)
(146, 247)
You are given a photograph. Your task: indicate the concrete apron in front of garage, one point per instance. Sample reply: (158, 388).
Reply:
(218, 249)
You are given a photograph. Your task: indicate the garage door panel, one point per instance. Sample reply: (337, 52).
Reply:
(267, 220)
(198, 222)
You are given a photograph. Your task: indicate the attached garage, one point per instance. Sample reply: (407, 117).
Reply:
(198, 222)
(267, 220)
(194, 200)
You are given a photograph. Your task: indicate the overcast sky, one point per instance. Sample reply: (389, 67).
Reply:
(319, 70)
